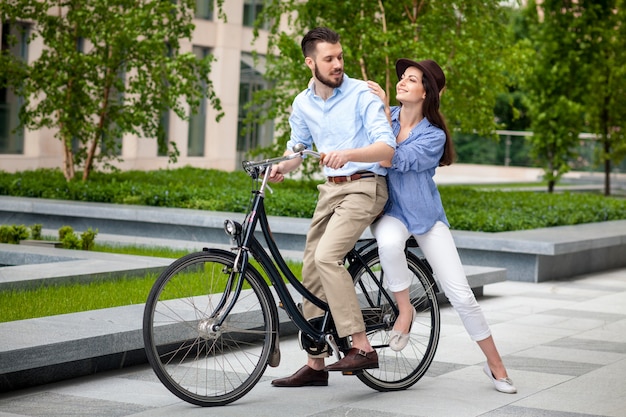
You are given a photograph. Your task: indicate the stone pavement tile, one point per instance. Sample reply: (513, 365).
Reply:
(50, 404)
(565, 354)
(147, 393)
(549, 366)
(601, 392)
(555, 351)
(612, 332)
(463, 393)
(516, 411)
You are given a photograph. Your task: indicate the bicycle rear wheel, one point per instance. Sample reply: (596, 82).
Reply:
(198, 362)
(397, 370)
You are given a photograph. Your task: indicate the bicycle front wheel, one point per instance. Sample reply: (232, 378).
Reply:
(200, 360)
(397, 370)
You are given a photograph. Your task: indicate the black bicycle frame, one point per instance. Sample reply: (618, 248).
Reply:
(274, 264)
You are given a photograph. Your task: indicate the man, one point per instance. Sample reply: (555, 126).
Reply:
(348, 125)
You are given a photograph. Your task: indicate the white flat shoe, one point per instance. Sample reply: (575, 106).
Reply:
(504, 385)
(398, 340)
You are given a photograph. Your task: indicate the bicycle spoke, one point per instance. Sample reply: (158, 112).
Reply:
(200, 357)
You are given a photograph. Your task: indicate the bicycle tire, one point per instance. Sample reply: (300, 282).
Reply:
(398, 370)
(196, 363)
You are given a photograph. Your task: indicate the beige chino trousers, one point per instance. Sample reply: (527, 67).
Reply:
(342, 213)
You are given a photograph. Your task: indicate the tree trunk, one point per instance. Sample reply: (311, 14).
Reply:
(90, 156)
(551, 180)
(68, 161)
(607, 168)
(103, 114)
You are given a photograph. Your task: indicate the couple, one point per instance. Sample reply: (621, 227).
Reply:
(362, 142)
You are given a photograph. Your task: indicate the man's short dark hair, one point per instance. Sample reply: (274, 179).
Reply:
(321, 34)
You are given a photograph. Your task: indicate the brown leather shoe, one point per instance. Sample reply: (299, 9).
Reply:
(355, 360)
(304, 377)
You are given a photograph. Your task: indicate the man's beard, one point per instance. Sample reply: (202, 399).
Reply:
(326, 81)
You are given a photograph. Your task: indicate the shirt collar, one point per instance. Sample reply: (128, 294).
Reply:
(340, 89)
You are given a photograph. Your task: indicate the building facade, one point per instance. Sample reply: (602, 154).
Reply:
(202, 141)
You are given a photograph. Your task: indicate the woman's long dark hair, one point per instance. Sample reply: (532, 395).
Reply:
(430, 110)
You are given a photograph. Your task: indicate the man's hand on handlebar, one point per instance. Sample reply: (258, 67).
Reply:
(335, 159)
(276, 174)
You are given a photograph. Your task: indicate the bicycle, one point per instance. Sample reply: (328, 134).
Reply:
(210, 323)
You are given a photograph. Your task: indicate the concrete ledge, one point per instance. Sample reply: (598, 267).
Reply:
(548, 253)
(529, 255)
(141, 221)
(37, 265)
(48, 349)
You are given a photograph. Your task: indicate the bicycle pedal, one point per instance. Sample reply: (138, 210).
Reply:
(349, 373)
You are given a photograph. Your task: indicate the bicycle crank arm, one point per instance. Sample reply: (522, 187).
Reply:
(331, 342)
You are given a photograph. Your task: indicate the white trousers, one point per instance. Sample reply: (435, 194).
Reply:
(438, 246)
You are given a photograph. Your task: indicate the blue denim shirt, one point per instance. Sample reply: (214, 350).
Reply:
(413, 195)
(352, 117)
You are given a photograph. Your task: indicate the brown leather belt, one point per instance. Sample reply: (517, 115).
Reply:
(353, 177)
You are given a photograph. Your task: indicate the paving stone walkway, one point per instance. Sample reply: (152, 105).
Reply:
(564, 343)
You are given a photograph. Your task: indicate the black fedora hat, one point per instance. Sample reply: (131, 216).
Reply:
(430, 68)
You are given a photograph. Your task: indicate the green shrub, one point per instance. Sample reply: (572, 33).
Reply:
(467, 208)
(20, 232)
(13, 233)
(64, 231)
(498, 211)
(87, 239)
(71, 241)
(35, 231)
(5, 233)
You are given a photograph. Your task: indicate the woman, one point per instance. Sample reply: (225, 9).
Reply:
(414, 208)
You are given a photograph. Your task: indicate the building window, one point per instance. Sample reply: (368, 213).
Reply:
(204, 9)
(251, 135)
(12, 137)
(251, 10)
(197, 120)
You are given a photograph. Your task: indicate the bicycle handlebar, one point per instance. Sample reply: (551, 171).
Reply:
(254, 168)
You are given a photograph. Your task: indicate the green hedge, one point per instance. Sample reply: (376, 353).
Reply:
(468, 208)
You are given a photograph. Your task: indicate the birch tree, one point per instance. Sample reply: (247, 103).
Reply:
(108, 68)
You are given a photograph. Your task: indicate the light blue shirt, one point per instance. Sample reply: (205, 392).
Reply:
(413, 195)
(353, 117)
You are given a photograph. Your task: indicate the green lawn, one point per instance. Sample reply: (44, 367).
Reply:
(62, 299)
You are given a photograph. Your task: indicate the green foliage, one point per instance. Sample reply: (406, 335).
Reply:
(470, 40)
(107, 69)
(35, 231)
(500, 211)
(5, 233)
(70, 240)
(65, 231)
(468, 208)
(193, 188)
(577, 81)
(13, 233)
(604, 53)
(87, 239)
